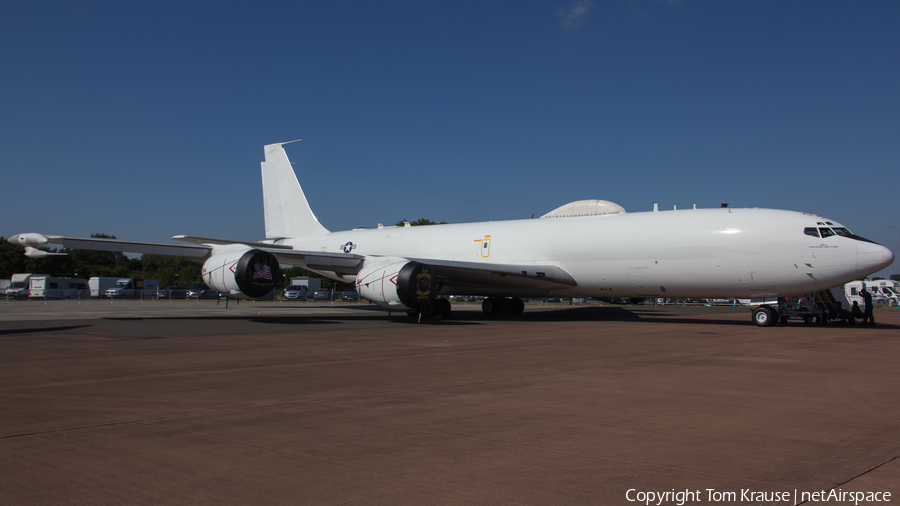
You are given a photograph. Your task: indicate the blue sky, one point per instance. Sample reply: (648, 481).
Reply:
(147, 119)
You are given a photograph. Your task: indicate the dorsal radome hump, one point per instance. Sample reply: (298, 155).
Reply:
(586, 208)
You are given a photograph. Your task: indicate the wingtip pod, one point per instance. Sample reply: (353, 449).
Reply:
(31, 239)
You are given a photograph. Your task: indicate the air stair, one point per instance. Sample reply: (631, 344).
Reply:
(817, 308)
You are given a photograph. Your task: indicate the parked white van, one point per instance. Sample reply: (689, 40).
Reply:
(99, 286)
(133, 288)
(58, 288)
(887, 287)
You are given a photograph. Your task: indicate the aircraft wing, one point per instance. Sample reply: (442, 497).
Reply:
(522, 276)
(450, 272)
(100, 244)
(225, 242)
(331, 261)
(342, 263)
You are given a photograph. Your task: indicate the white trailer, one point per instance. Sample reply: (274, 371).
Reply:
(885, 287)
(18, 285)
(99, 286)
(882, 293)
(58, 288)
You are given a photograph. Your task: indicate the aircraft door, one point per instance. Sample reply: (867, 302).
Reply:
(640, 278)
(486, 246)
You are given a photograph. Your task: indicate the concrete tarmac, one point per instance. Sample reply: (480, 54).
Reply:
(192, 403)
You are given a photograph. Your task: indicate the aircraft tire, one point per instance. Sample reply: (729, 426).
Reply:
(518, 306)
(764, 316)
(506, 306)
(490, 305)
(443, 307)
(429, 309)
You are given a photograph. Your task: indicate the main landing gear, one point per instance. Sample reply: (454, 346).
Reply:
(503, 305)
(434, 307)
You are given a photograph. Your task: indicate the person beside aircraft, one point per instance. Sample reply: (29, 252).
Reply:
(855, 313)
(868, 315)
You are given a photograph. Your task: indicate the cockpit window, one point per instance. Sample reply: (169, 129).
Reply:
(843, 231)
(811, 231)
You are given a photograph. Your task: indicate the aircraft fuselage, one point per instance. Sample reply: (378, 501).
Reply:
(687, 253)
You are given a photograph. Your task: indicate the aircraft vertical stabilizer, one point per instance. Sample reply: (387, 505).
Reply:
(287, 211)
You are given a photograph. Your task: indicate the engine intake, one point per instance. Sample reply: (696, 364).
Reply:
(397, 284)
(247, 273)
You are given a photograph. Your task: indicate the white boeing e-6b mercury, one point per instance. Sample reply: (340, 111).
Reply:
(589, 248)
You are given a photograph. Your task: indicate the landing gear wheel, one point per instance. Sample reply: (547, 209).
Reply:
(764, 316)
(490, 305)
(429, 309)
(442, 308)
(518, 306)
(506, 306)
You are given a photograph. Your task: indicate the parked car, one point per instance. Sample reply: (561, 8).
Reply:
(350, 295)
(322, 295)
(172, 292)
(201, 291)
(295, 292)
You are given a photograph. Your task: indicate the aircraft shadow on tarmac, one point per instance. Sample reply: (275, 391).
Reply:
(668, 317)
(456, 318)
(11, 332)
(476, 317)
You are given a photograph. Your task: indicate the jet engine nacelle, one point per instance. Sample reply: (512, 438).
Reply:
(242, 273)
(397, 283)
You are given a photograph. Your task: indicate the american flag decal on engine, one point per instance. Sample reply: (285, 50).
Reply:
(262, 271)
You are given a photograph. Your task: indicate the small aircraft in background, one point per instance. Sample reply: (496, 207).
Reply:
(588, 248)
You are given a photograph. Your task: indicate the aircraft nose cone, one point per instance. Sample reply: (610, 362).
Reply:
(871, 257)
